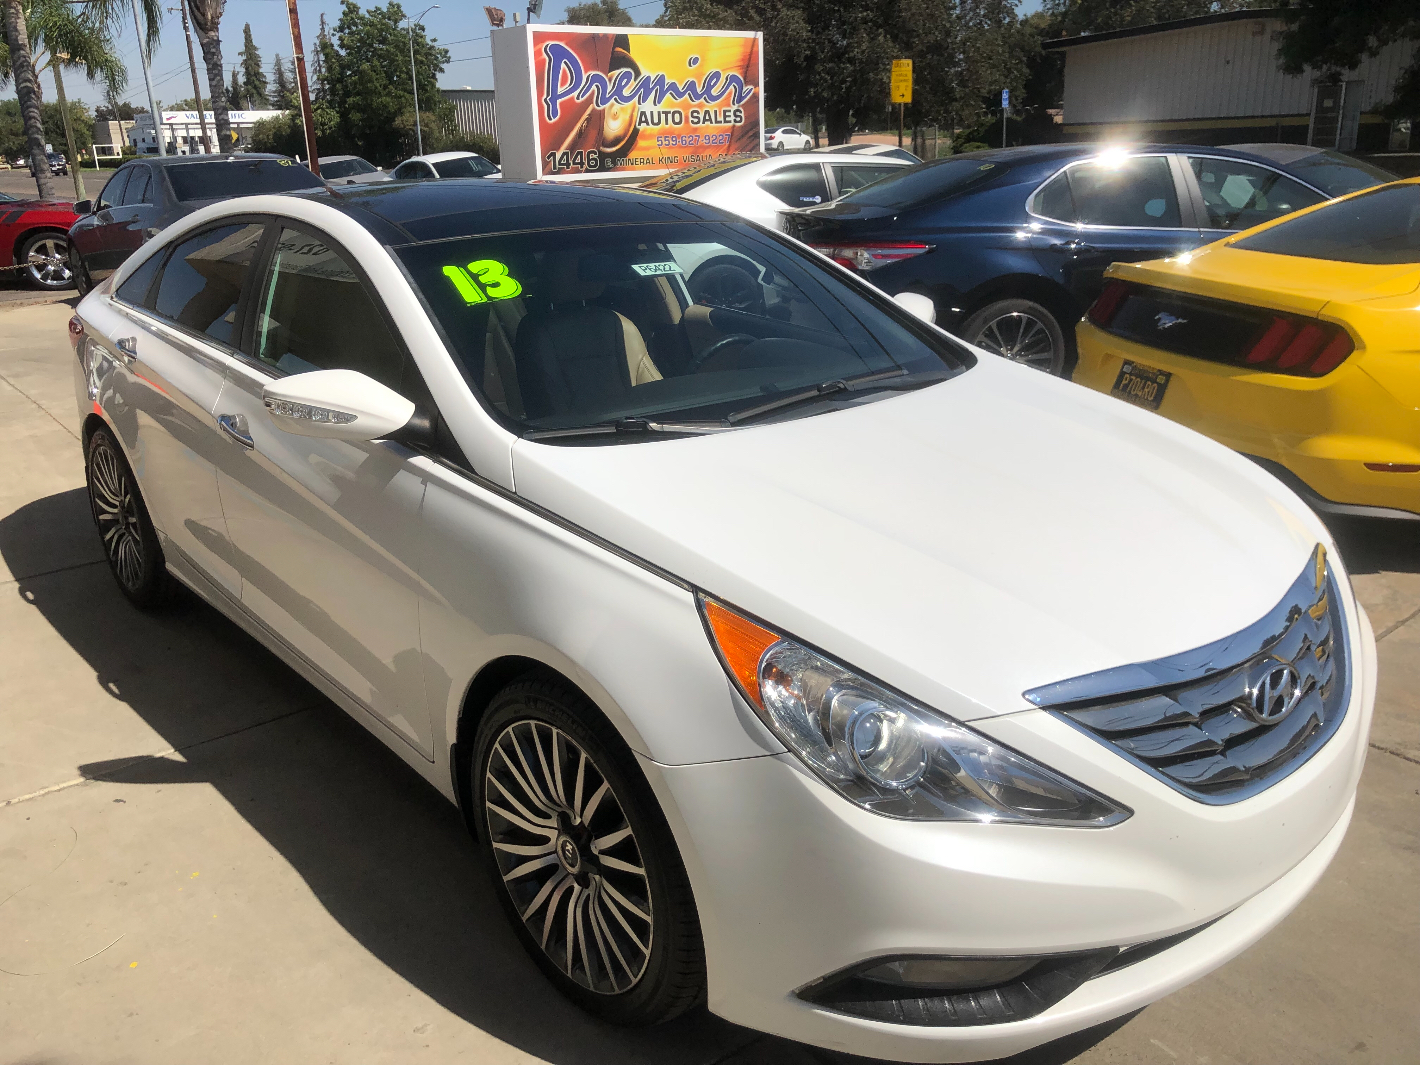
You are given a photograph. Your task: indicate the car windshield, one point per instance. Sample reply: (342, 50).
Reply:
(465, 166)
(679, 321)
(1336, 174)
(343, 168)
(1381, 228)
(930, 181)
(220, 179)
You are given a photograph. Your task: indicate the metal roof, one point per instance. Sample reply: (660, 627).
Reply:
(1246, 15)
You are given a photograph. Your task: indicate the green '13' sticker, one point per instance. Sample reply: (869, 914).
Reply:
(493, 281)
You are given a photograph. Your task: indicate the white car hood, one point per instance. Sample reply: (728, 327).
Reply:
(963, 543)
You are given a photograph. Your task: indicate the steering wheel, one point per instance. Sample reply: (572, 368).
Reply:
(720, 345)
(728, 281)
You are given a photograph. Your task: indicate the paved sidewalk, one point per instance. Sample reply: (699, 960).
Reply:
(203, 860)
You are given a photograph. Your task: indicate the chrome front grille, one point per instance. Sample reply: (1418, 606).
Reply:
(1227, 720)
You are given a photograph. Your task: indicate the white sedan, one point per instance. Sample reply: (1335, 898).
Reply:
(781, 652)
(786, 139)
(446, 165)
(759, 189)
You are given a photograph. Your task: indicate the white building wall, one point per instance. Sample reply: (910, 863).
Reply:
(1224, 70)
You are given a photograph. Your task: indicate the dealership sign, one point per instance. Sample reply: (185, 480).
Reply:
(583, 103)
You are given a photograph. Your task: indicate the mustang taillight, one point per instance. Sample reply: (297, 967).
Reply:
(1103, 310)
(1303, 347)
(868, 255)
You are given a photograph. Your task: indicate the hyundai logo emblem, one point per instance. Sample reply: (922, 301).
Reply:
(1164, 320)
(1275, 691)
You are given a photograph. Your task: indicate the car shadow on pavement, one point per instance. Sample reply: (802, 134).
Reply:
(384, 853)
(1372, 545)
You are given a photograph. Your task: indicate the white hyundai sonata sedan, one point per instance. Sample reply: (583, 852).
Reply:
(781, 651)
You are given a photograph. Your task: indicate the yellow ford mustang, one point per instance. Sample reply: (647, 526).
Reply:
(1296, 343)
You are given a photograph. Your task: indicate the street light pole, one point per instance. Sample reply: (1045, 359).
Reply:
(196, 88)
(148, 81)
(414, 79)
(76, 167)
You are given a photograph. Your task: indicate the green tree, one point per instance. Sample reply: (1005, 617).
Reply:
(283, 86)
(598, 13)
(253, 76)
(234, 92)
(1335, 35)
(207, 24)
(1070, 18)
(118, 111)
(367, 76)
(315, 66)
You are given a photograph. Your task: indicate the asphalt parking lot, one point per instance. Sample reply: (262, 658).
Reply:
(201, 859)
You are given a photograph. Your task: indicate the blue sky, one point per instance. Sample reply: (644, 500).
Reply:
(461, 27)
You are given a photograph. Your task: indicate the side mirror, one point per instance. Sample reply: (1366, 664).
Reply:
(84, 207)
(917, 305)
(337, 405)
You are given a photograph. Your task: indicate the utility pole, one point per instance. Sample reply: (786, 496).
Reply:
(414, 78)
(298, 60)
(76, 169)
(196, 87)
(148, 82)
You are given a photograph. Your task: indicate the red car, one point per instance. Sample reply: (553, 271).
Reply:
(34, 236)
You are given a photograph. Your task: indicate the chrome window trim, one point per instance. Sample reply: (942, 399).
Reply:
(1093, 226)
(1140, 679)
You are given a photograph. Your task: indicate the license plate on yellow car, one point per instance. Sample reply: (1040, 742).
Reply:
(1141, 385)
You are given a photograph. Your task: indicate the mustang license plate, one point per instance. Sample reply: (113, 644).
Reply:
(1141, 385)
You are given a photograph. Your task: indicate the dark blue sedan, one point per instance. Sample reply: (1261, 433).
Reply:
(1011, 245)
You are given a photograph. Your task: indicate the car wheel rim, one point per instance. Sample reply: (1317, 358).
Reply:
(1019, 337)
(116, 511)
(48, 261)
(568, 857)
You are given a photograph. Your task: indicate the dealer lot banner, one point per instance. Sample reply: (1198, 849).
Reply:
(608, 101)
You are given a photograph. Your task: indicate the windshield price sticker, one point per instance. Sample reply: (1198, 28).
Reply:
(483, 280)
(656, 269)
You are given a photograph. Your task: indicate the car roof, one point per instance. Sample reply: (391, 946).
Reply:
(405, 213)
(439, 157)
(179, 160)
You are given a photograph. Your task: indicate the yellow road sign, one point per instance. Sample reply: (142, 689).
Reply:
(901, 81)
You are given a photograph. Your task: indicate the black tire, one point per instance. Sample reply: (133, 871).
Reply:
(534, 729)
(126, 531)
(1020, 330)
(44, 259)
(82, 281)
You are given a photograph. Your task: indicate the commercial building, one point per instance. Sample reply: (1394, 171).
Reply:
(183, 131)
(1216, 80)
(473, 110)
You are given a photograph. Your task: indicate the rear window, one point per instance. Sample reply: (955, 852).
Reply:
(220, 179)
(1336, 174)
(343, 168)
(467, 166)
(1381, 228)
(930, 181)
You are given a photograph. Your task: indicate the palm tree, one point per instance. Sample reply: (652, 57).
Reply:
(206, 20)
(41, 28)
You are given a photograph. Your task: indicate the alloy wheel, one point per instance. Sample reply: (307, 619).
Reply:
(116, 512)
(47, 262)
(1019, 337)
(568, 857)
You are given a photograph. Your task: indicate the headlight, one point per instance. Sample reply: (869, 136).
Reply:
(885, 752)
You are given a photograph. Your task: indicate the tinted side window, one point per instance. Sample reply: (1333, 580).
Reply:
(1137, 193)
(852, 176)
(1053, 200)
(135, 289)
(1239, 195)
(797, 186)
(113, 191)
(314, 314)
(203, 279)
(410, 172)
(137, 191)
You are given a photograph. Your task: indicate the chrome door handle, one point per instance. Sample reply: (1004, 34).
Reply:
(127, 348)
(235, 426)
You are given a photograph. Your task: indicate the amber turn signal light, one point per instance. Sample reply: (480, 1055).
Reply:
(741, 644)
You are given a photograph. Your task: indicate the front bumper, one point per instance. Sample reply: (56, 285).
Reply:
(794, 882)
(1323, 430)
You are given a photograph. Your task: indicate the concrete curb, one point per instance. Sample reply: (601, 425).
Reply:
(37, 298)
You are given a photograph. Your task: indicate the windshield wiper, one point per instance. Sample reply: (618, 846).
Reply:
(880, 379)
(628, 425)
